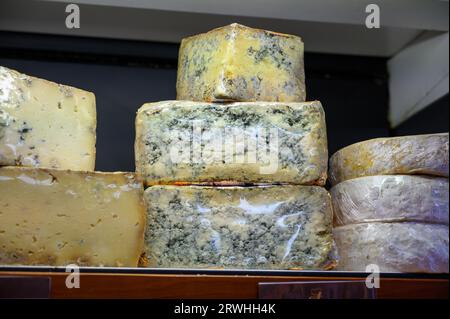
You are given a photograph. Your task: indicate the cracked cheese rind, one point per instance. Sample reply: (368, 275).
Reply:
(288, 140)
(238, 63)
(56, 218)
(44, 124)
(391, 198)
(394, 247)
(417, 154)
(277, 227)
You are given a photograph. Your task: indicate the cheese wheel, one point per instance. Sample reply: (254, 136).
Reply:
(238, 63)
(393, 247)
(391, 198)
(418, 154)
(274, 227)
(45, 124)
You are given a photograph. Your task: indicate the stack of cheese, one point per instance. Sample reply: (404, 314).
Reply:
(54, 209)
(232, 164)
(390, 199)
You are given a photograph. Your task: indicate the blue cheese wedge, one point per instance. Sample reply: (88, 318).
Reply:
(273, 227)
(44, 124)
(391, 198)
(416, 154)
(237, 143)
(238, 63)
(55, 218)
(393, 247)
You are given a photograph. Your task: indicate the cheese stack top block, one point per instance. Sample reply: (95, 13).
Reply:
(238, 63)
(57, 217)
(182, 142)
(44, 124)
(418, 154)
(271, 227)
(391, 198)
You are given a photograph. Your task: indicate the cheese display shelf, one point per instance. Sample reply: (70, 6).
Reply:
(173, 283)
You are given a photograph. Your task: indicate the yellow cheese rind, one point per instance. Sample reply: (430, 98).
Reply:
(416, 154)
(238, 63)
(217, 142)
(55, 218)
(44, 124)
(276, 227)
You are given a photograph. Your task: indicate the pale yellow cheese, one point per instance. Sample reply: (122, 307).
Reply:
(44, 124)
(55, 217)
(238, 63)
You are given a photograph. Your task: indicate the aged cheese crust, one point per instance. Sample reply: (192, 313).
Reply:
(44, 124)
(418, 154)
(391, 198)
(394, 247)
(277, 227)
(288, 141)
(55, 217)
(237, 63)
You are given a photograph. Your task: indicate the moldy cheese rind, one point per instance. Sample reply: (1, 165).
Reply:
(276, 227)
(393, 247)
(417, 154)
(238, 63)
(391, 198)
(249, 142)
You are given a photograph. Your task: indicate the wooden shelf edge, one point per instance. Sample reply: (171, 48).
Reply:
(110, 285)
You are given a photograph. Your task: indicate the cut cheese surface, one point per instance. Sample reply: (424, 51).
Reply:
(393, 247)
(238, 63)
(277, 227)
(44, 124)
(391, 198)
(56, 218)
(237, 143)
(417, 154)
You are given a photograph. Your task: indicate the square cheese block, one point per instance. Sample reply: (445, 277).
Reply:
(272, 227)
(391, 198)
(393, 247)
(56, 218)
(415, 154)
(44, 124)
(179, 142)
(238, 63)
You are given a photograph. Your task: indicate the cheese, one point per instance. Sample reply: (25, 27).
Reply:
(394, 247)
(246, 142)
(237, 63)
(55, 217)
(419, 154)
(277, 227)
(44, 124)
(391, 198)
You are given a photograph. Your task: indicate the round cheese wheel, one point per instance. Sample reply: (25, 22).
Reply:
(419, 154)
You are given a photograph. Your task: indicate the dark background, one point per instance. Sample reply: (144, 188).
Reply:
(126, 74)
